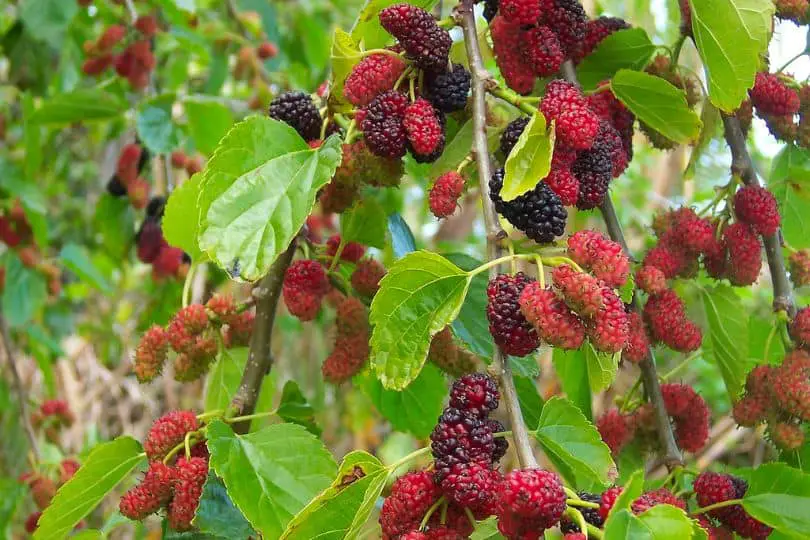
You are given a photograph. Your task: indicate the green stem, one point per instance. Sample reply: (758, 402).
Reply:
(499, 260)
(676, 51)
(781, 69)
(680, 367)
(715, 506)
(338, 253)
(187, 285)
(250, 417)
(588, 530)
(388, 52)
(769, 340)
(430, 512)
(628, 398)
(581, 503)
(464, 162)
(210, 414)
(512, 98)
(410, 457)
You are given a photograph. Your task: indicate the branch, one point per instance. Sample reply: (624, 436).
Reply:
(260, 357)
(465, 16)
(5, 350)
(742, 166)
(671, 453)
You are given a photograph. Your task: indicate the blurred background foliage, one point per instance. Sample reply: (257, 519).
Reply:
(60, 133)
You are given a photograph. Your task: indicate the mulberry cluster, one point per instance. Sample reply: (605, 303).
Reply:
(601, 256)
(305, 285)
(127, 180)
(17, 234)
(176, 486)
(756, 207)
(449, 356)
(134, 62)
(191, 164)
(366, 277)
(299, 111)
(151, 247)
(53, 413)
(688, 411)
(373, 75)
(444, 195)
(509, 328)
(539, 213)
(358, 167)
(780, 397)
(532, 38)
(781, 101)
(192, 335)
(416, 30)
(351, 349)
(712, 488)
(667, 322)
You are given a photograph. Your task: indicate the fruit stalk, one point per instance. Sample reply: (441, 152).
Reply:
(260, 358)
(742, 166)
(465, 17)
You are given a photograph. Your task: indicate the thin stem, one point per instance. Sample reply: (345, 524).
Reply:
(742, 166)
(715, 506)
(432, 510)
(799, 55)
(630, 395)
(187, 285)
(260, 358)
(512, 98)
(769, 340)
(247, 417)
(672, 456)
(589, 530)
(582, 504)
(410, 457)
(676, 51)
(680, 367)
(465, 17)
(5, 350)
(500, 260)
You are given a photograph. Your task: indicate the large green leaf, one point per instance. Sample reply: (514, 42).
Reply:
(75, 258)
(630, 48)
(790, 184)
(79, 106)
(180, 224)
(365, 223)
(223, 379)
(208, 122)
(367, 28)
(24, 293)
(270, 474)
(573, 444)
(421, 294)
(602, 367)
(731, 36)
(662, 522)
(779, 496)
(217, 515)
(342, 509)
(530, 159)
(48, 20)
(728, 326)
(264, 203)
(572, 371)
(156, 130)
(415, 408)
(657, 103)
(471, 326)
(102, 470)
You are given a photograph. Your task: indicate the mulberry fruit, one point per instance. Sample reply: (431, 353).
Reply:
(167, 432)
(539, 214)
(553, 320)
(305, 284)
(383, 127)
(509, 328)
(366, 277)
(191, 474)
(476, 394)
(299, 111)
(411, 497)
(372, 76)
(448, 91)
(150, 354)
(511, 134)
(416, 30)
(757, 207)
(771, 96)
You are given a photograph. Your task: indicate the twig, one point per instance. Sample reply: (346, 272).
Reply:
(671, 454)
(742, 165)
(260, 358)
(465, 17)
(5, 350)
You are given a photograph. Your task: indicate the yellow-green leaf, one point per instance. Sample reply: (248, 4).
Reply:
(530, 159)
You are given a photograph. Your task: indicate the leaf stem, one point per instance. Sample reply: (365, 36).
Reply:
(432, 510)
(512, 98)
(247, 417)
(410, 457)
(715, 506)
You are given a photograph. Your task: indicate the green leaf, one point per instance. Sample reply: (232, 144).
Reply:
(179, 223)
(217, 515)
(270, 474)
(114, 221)
(105, 466)
(454, 151)
(76, 259)
(154, 124)
(630, 48)
(265, 202)
(415, 408)
(731, 36)
(630, 492)
(402, 241)
(345, 55)
(48, 20)
(662, 522)
(530, 159)
(602, 367)
(12, 491)
(32, 136)
(657, 103)
(367, 28)
(295, 408)
(208, 122)
(342, 509)
(572, 372)
(224, 378)
(24, 293)
(531, 404)
(779, 496)
(79, 106)
(573, 444)
(421, 294)
(471, 326)
(487, 530)
(728, 324)
(790, 184)
(365, 223)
